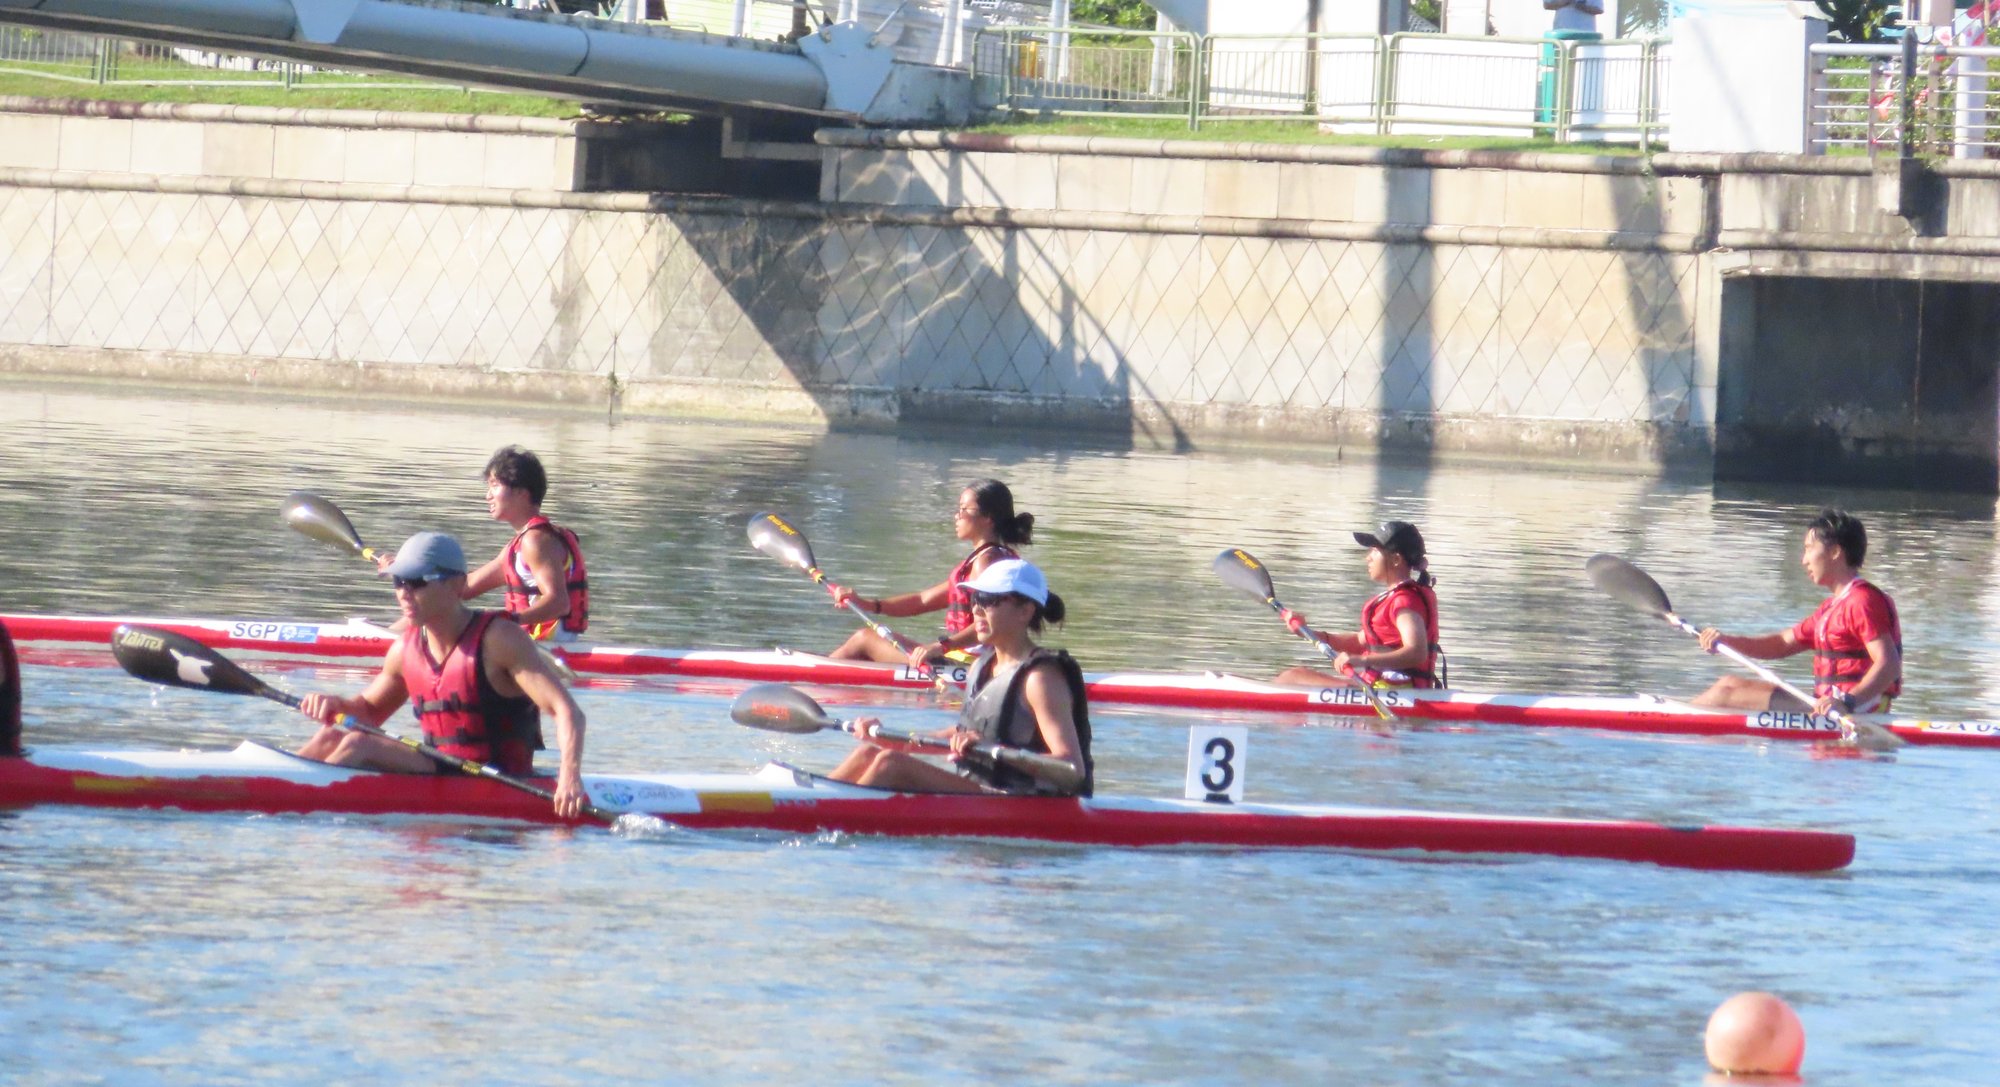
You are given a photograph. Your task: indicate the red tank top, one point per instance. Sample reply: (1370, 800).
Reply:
(957, 602)
(461, 712)
(521, 593)
(1378, 626)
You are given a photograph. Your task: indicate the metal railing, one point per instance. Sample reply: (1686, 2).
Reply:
(1905, 99)
(64, 57)
(1396, 83)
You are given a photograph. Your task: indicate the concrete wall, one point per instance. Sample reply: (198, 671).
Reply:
(1540, 307)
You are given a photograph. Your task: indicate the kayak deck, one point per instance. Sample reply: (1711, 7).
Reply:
(256, 778)
(355, 639)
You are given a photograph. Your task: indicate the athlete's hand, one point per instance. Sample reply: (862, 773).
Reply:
(841, 594)
(920, 657)
(1343, 663)
(1294, 620)
(383, 562)
(1709, 637)
(323, 708)
(570, 797)
(963, 740)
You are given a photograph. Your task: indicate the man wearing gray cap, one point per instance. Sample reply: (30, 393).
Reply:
(474, 679)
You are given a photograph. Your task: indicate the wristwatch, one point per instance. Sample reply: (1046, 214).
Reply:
(1846, 700)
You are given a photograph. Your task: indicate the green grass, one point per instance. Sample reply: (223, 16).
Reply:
(322, 95)
(1164, 128)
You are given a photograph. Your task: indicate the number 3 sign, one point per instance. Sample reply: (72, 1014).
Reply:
(1215, 763)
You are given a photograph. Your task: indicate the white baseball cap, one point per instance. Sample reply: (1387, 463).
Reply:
(1011, 576)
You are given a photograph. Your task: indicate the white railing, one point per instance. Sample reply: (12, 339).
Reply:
(65, 57)
(1398, 83)
(1932, 100)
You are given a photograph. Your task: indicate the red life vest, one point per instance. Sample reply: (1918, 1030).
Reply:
(521, 595)
(460, 711)
(1378, 626)
(957, 602)
(1838, 632)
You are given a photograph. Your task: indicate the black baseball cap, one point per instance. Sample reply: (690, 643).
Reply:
(1400, 537)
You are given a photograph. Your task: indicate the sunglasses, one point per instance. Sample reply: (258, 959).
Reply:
(987, 600)
(411, 583)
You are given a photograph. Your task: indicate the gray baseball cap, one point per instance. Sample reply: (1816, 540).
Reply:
(428, 556)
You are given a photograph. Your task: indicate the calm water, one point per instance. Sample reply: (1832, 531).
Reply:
(177, 949)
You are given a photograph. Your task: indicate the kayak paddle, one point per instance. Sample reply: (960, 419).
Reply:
(1239, 569)
(175, 660)
(775, 536)
(780, 707)
(1634, 588)
(319, 519)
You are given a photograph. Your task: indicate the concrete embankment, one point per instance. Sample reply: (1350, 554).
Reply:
(1751, 315)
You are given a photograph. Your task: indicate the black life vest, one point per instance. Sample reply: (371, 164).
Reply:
(995, 712)
(10, 696)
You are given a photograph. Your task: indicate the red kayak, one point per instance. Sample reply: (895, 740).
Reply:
(255, 778)
(356, 640)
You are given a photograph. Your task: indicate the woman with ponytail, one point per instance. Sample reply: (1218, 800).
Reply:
(985, 519)
(1020, 700)
(1397, 645)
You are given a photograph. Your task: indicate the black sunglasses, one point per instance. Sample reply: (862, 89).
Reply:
(987, 600)
(411, 583)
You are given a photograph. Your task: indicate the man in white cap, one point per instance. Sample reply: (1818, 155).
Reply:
(474, 679)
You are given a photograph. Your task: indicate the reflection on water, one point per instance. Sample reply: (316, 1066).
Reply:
(204, 948)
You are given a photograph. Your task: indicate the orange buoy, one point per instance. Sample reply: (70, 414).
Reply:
(1755, 1034)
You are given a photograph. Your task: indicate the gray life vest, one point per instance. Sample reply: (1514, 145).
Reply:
(994, 710)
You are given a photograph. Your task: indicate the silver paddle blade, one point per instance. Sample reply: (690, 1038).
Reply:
(321, 520)
(779, 707)
(772, 535)
(1627, 584)
(1239, 569)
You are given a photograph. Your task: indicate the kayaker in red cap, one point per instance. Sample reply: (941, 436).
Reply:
(1019, 696)
(474, 680)
(1855, 636)
(1397, 645)
(985, 519)
(10, 697)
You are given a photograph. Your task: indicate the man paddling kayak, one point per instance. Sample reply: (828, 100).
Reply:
(987, 520)
(474, 679)
(1855, 636)
(10, 697)
(1397, 645)
(1019, 696)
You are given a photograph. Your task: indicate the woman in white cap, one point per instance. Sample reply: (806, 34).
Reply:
(986, 519)
(1021, 699)
(1397, 645)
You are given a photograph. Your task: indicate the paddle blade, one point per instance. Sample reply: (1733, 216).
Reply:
(175, 660)
(772, 535)
(1628, 584)
(778, 707)
(1239, 569)
(314, 516)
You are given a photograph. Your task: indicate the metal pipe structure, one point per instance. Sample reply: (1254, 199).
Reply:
(591, 60)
